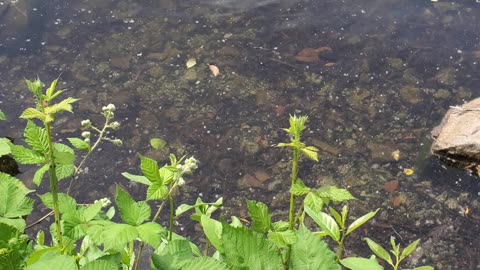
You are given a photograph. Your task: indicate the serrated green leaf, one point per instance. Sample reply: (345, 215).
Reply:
(13, 200)
(149, 169)
(53, 260)
(310, 252)
(26, 156)
(38, 177)
(91, 211)
(64, 105)
(64, 171)
(360, 221)
(334, 194)
(299, 188)
(247, 249)
(51, 90)
(310, 152)
(409, 249)
(4, 146)
(176, 254)
(100, 264)
(137, 178)
(280, 226)
(167, 175)
(131, 212)
(150, 233)
(313, 201)
(116, 236)
(356, 263)
(337, 217)
(36, 138)
(204, 263)
(79, 144)
(379, 251)
(66, 203)
(157, 191)
(282, 238)
(31, 113)
(325, 222)
(213, 231)
(63, 154)
(157, 143)
(17, 223)
(261, 220)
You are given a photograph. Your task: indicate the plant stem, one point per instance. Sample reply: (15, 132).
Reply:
(170, 199)
(54, 185)
(291, 212)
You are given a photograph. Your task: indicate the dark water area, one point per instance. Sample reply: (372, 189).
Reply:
(374, 77)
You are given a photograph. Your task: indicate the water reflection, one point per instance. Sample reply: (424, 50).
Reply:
(391, 70)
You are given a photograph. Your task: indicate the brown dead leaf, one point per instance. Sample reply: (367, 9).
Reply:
(311, 55)
(214, 70)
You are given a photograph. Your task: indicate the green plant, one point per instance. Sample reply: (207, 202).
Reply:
(86, 237)
(2, 116)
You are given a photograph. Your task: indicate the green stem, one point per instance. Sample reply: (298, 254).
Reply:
(54, 185)
(170, 199)
(291, 212)
(340, 248)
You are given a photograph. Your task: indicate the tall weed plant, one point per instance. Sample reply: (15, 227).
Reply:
(86, 237)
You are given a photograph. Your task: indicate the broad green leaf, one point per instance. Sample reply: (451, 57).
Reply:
(299, 188)
(53, 260)
(356, 263)
(337, 216)
(36, 138)
(51, 90)
(2, 116)
(176, 254)
(79, 144)
(63, 154)
(261, 220)
(17, 223)
(313, 201)
(335, 194)
(204, 263)
(64, 171)
(360, 221)
(167, 175)
(310, 152)
(409, 249)
(66, 203)
(157, 191)
(131, 212)
(31, 113)
(247, 249)
(149, 169)
(13, 200)
(310, 252)
(26, 156)
(325, 222)
(4, 146)
(64, 105)
(283, 238)
(137, 178)
(8, 178)
(116, 236)
(280, 226)
(379, 251)
(38, 177)
(100, 265)
(91, 211)
(213, 231)
(157, 143)
(150, 233)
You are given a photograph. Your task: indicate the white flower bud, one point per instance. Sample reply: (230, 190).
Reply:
(86, 123)
(117, 142)
(86, 134)
(115, 125)
(181, 182)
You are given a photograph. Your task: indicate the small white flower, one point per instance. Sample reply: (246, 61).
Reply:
(115, 125)
(181, 182)
(87, 140)
(86, 123)
(104, 201)
(111, 107)
(86, 134)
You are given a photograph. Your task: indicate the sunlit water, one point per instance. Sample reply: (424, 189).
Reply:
(384, 75)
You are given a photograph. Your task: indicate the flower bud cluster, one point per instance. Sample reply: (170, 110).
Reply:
(104, 201)
(108, 111)
(86, 124)
(188, 166)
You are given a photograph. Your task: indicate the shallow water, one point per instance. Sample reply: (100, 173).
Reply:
(389, 74)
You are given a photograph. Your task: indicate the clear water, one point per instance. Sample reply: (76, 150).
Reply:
(389, 74)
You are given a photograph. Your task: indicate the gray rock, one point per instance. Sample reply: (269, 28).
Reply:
(457, 137)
